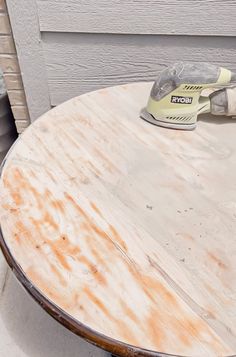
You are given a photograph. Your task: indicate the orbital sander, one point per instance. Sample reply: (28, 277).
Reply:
(177, 96)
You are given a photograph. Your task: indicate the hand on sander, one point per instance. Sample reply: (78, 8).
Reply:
(176, 97)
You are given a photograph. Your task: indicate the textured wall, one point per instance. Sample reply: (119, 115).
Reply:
(68, 47)
(10, 67)
(92, 44)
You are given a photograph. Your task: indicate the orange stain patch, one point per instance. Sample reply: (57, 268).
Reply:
(63, 248)
(211, 314)
(58, 275)
(90, 227)
(49, 219)
(49, 289)
(17, 238)
(22, 185)
(58, 205)
(194, 328)
(187, 236)
(128, 312)
(23, 233)
(64, 245)
(154, 329)
(94, 270)
(217, 261)
(183, 335)
(127, 333)
(101, 233)
(117, 238)
(9, 208)
(94, 207)
(13, 189)
(47, 194)
(58, 247)
(96, 301)
(99, 259)
(156, 291)
(61, 258)
(17, 174)
(189, 331)
(17, 198)
(13, 210)
(76, 206)
(122, 328)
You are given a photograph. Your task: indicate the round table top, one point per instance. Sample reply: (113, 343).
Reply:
(125, 231)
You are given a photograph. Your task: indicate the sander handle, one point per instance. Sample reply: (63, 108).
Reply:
(223, 101)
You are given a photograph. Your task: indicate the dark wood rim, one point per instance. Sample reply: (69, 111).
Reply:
(98, 339)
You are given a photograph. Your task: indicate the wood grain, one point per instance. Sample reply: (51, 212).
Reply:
(82, 63)
(126, 227)
(181, 17)
(24, 22)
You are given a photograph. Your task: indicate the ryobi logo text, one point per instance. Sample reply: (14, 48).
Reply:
(181, 100)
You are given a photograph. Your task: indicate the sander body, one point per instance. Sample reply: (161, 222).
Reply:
(177, 96)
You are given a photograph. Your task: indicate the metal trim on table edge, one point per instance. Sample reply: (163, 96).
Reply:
(98, 339)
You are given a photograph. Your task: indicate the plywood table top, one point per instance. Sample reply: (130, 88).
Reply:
(124, 231)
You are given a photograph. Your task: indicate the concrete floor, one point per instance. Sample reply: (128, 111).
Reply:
(26, 330)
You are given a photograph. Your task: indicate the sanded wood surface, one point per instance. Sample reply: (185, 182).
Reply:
(28, 331)
(193, 17)
(125, 227)
(84, 62)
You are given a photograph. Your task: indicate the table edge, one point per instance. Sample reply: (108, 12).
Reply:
(98, 339)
